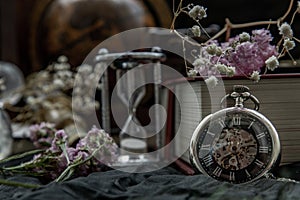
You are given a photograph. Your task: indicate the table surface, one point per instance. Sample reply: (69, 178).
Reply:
(167, 183)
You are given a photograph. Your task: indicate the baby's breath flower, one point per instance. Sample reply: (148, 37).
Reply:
(255, 76)
(197, 12)
(289, 44)
(212, 81)
(221, 68)
(198, 62)
(272, 63)
(192, 73)
(230, 71)
(286, 30)
(212, 49)
(62, 59)
(244, 37)
(196, 31)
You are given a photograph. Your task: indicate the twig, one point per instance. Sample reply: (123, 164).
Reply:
(18, 184)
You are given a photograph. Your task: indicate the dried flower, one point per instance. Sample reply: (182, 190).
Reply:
(192, 73)
(60, 162)
(255, 76)
(62, 59)
(286, 30)
(288, 44)
(222, 68)
(213, 49)
(212, 81)
(42, 134)
(230, 71)
(60, 138)
(196, 31)
(272, 63)
(244, 37)
(198, 12)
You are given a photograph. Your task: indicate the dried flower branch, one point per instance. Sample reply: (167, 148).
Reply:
(56, 161)
(240, 55)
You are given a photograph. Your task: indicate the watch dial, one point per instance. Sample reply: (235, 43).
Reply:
(236, 146)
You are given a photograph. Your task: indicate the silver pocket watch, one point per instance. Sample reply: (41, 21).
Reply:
(235, 144)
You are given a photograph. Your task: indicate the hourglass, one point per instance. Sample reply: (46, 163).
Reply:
(11, 79)
(132, 136)
(130, 89)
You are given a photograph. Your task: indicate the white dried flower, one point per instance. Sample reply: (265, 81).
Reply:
(199, 62)
(192, 73)
(255, 76)
(230, 71)
(272, 63)
(244, 37)
(221, 68)
(212, 81)
(198, 12)
(212, 49)
(286, 30)
(196, 30)
(62, 59)
(58, 83)
(289, 44)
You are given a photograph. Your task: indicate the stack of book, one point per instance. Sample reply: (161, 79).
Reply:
(279, 97)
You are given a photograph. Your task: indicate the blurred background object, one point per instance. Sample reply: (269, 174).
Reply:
(35, 33)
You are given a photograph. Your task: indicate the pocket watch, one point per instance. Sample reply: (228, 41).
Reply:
(235, 144)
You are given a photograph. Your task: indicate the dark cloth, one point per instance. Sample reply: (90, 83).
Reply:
(166, 183)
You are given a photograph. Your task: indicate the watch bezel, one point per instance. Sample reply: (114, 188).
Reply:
(193, 150)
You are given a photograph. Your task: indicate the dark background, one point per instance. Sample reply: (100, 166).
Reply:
(33, 33)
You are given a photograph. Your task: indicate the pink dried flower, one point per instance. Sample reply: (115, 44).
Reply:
(60, 138)
(42, 134)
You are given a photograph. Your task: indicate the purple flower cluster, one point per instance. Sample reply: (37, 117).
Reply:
(92, 153)
(251, 55)
(42, 134)
(243, 54)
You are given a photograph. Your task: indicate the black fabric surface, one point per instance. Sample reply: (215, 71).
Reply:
(166, 183)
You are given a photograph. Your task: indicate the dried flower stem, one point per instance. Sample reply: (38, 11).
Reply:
(70, 169)
(18, 184)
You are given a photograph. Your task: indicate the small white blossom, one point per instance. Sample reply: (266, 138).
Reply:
(62, 59)
(198, 12)
(58, 83)
(244, 37)
(272, 63)
(289, 44)
(230, 71)
(196, 30)
(212, 81)
(255, 76)
(213, 49)
(286, 30)
(221, 68)
(192, 73)
(199, 62)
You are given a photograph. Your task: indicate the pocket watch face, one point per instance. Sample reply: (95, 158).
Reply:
(237, 145)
